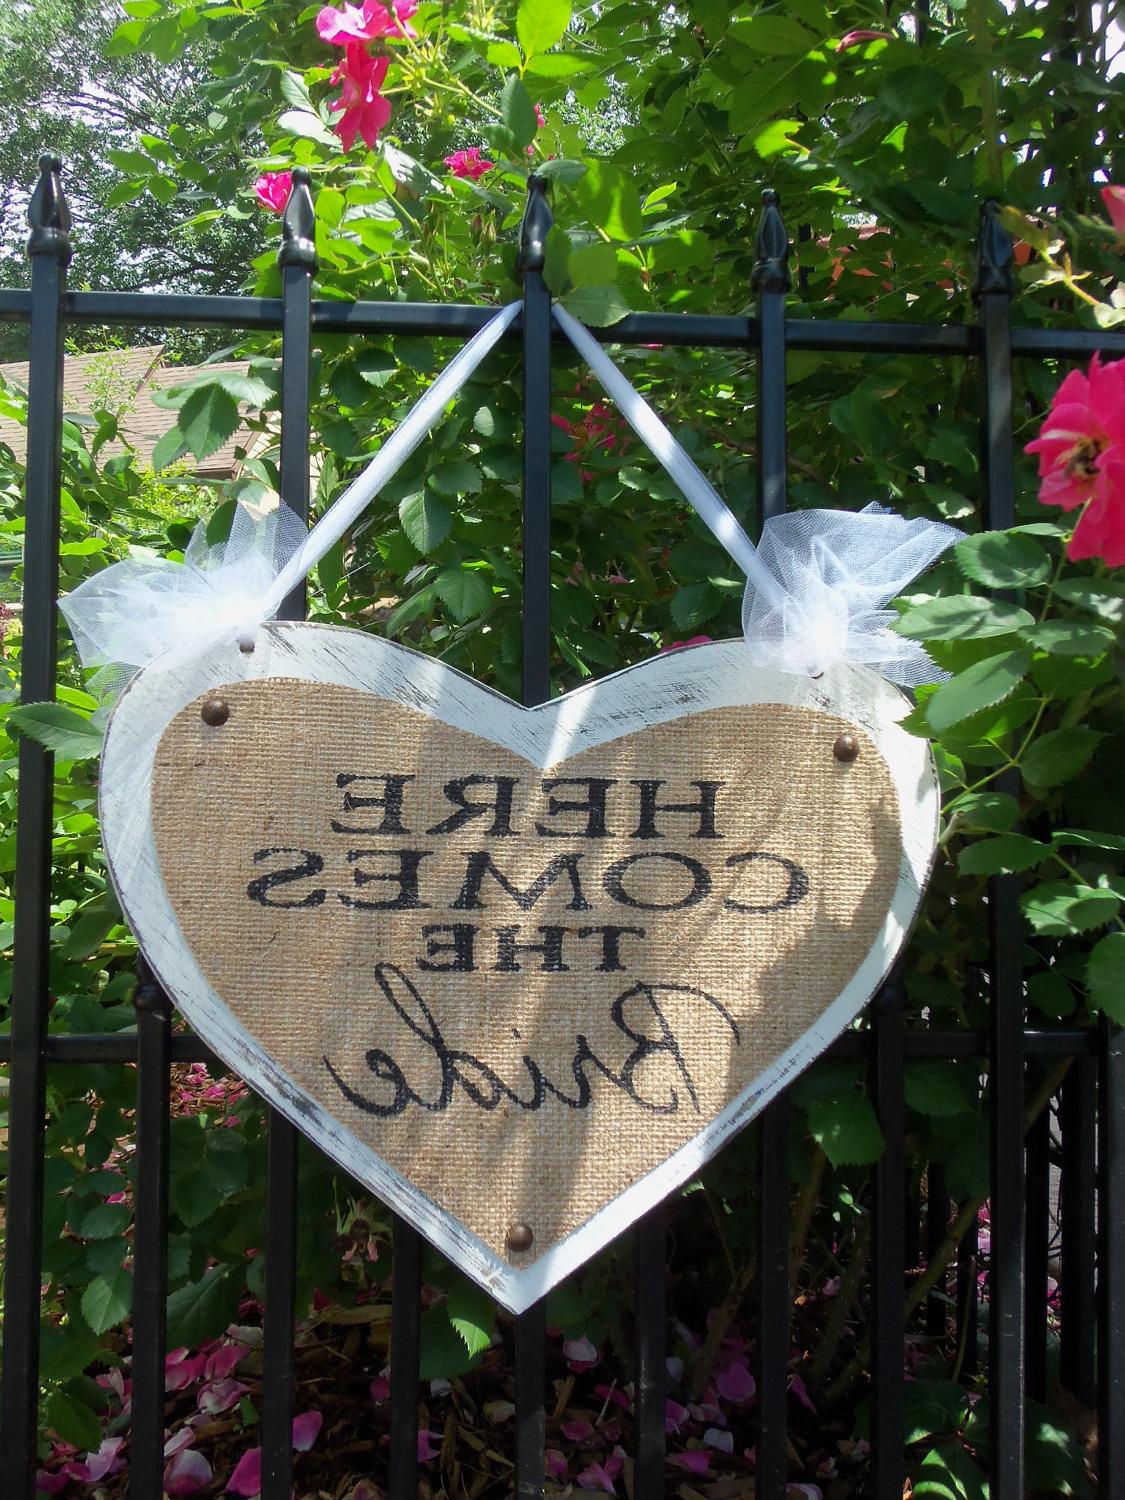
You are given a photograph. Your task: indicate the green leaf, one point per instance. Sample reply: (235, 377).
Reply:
(1003, 855)
(996, 812)
(596, 306)
(70, 735)
(845, 1128)
(168, 449)
(556, 259)
(73, 1421)
(444, 1354)
(202, 1309)
(980, 686)
(207, 419)
(948, 1473)
(1050, 994)
(456, 476)
(65, 1349)
(593, 265)
(935, 1088)
(932, 1408)
(103, 1222)
(1060, 908)
(1105, 976)
(1059, 755)
(694, 604)
(136, 163)
(559, 65)
(1002, 560)
(518, 112)
(610, 200)
(773, 35)
(1067, 638)
(107, 1300)
(294, 92)
(425, 520)
(472, 1314)
(1101, 598)
(465, 594)
(307, 124)
(541, 23)
(964, 616)
(375, 366)
(1086, 838)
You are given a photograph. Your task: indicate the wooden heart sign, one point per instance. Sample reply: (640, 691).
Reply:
(520, 970)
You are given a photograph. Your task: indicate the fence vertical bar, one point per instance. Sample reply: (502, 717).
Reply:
(1037, 1235)
(1079, 1218)
(651, 1353)
(297, 261)
(150, 1239)
(1006, 1351)
(49, 249)
(887, 1394)
(1111, 1263)
(405, 1348)
(771, 281)
(536, 688)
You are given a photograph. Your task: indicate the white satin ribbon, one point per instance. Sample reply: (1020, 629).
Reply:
(815, 591)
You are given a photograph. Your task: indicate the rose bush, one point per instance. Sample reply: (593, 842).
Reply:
(419, 125)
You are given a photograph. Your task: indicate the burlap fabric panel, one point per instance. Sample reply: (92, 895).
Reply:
(371, 933)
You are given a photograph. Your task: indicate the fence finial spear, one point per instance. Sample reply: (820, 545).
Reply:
(536, 226)
(995, 255)
(771, 248)
(48, 213)
(298, 225)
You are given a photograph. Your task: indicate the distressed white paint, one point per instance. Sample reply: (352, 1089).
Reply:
(665, 688)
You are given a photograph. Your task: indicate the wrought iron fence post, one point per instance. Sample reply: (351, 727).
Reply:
(530, 1326)
(49, 248)
(297, 260)
(771, 280)
(1006, 1351)
(150, 1239)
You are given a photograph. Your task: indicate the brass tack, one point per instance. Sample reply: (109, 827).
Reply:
(846, 747)
(215, 711)
(519, 1237)
(246, 647)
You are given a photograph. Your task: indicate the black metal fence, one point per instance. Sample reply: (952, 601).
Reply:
(1091, 1109)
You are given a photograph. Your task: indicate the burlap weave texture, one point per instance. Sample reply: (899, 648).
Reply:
(774, 890)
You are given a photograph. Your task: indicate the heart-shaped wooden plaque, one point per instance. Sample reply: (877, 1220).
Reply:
(520, 970)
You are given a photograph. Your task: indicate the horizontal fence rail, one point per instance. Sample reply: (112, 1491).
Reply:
(1093, 1096)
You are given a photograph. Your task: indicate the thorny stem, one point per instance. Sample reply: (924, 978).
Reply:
(720, 1322)
(842, 1304)
(802, 1219)
(947, 1250)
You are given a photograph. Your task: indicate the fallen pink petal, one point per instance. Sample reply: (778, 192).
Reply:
(188, 1473)
(247, 1477)
(220, 1396)
(595, 1477)
(429, 1445)
(698, 1461)
(306, 1429)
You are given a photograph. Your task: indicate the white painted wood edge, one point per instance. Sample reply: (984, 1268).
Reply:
(664, 688)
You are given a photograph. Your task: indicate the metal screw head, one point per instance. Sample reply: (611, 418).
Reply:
(519, 1237)
(215, 711)
(846, 747)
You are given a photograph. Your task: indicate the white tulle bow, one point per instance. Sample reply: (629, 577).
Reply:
(149, 609)
(837, 570)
